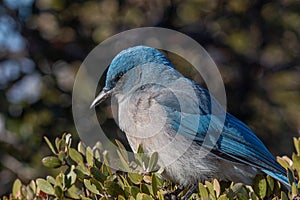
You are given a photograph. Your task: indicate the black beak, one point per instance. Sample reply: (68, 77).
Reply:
(100, 98)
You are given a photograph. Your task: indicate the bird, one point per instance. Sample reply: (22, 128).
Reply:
(168, 113)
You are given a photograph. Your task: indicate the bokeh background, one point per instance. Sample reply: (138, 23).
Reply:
(254, 43)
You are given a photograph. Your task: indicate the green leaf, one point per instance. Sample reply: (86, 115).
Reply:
(283, 162)
(260, 186)
(97, 154)
(23, 191)
(60, 180)
(290, 176)
(147, 179)
(58, 191)
(297, 144)
(91, 187)
(210, 188)
(96, 173)
(242, 194)
(63, 144)
(30, 193)
(253, 196)
(203, 191)
(147, 189)
(61, 156)
(140, 149)
(122, 149)
(97, 150)
(135, 178)
(271, 184)
(141, 157)
(57, 143)
(120, 197)
(122, 182)
(217, 187)
(87, 198)
(296, 161)
(124, 163)
(283, 196)
(277, 188)
(160, 195)
(16, 191)
(75, 155)
(98, 185)
(51, 162)
(105, 167)
(81, 171)
(154, 184)
(234, 190)
(126, 190)
(98, 146)
(89, 156)
(70, 177)
(134, 191)
(81, 148)
(141, 196)
(294, 189)
(45, 186)
(68, 139)
(74, 192)
(51, 180)
(32, 185)
(131, 198)
(50, 145)
(113, 188)
(152, 166)
(223, 197)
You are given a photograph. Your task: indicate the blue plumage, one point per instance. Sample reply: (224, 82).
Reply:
(140, 78)
(236, 143)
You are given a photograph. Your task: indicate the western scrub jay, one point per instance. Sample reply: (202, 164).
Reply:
(170, 114)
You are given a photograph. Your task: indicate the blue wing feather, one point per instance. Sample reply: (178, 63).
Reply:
(236, 143)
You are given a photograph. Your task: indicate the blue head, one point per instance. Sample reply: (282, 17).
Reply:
(130, 58)
(125, 61)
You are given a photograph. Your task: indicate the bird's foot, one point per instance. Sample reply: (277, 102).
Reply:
(189, 192)
(174, 195)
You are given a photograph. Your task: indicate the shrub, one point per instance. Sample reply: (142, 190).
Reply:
(83, 176)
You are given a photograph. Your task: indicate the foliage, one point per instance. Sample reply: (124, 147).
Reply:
(85, 174)
(255, 44)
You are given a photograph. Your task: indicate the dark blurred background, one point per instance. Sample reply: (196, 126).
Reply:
(43, 42)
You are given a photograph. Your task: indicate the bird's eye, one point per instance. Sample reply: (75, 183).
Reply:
(119, 75)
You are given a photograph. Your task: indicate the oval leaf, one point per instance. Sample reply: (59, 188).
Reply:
(50, 145)
(203, 191)
(51, 162)
(81, 148)
(51, 180)
(217, 187)
(141, 196)
(123, 162)
(91, 187)
(283, 162)
(296, 161)
(135, 178)
(122, 149)
(260, 186)
(45, 186)
(89, 156)
(297, 144)
(16, 188)
(75, 155)
(153, 162)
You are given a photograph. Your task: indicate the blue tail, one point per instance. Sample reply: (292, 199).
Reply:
(280, 177)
